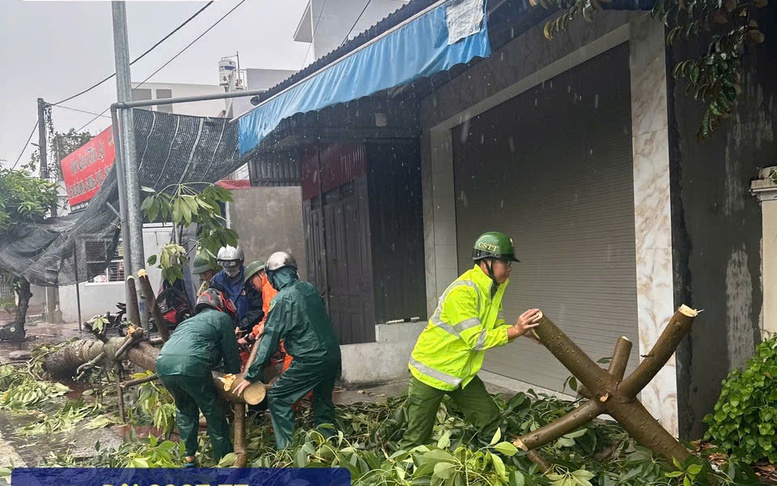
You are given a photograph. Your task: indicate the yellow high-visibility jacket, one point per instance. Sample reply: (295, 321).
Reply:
(450, 350)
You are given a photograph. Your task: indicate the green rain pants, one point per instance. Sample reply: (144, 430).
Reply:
(295, 383)
(193, 394)
(423, 402)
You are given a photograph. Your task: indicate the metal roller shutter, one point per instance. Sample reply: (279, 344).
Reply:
(552, 167)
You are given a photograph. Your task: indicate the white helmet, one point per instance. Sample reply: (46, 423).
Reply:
(280, 259)
(231, 259)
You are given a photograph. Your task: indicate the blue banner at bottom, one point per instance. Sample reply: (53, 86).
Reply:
(179, 477)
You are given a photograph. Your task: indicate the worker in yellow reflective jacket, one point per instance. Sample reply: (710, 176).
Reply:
(450, 350)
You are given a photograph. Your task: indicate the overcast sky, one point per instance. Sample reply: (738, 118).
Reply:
(53, 49)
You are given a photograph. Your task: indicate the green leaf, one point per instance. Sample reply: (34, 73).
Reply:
(517, 479)
(694, 469)
(576, 434)
(499, 466)
(497, 436)
(152, 260)
(674, 474)
(445, 440)
(444, 470)
(228, 460)
(506, 448)
(139, 462)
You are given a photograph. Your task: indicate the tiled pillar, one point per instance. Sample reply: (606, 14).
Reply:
(439, 217)
(765, 188)
(652, 208)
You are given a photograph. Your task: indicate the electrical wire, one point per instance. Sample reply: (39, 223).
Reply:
(191, 43)
(356, 22)
(79, 110)
(25, 145)
(137, 58)
(315, 28)
(171, 59)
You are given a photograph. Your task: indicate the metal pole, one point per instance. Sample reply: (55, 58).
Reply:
(50, 292)
(126, 143)
(78, 284)
(122, 184)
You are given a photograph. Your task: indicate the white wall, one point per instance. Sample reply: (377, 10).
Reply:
(382, 361)
(211, 108)
(99, 298)
(332, 19)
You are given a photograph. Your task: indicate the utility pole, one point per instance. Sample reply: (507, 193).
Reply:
(44, 165)
(125, 148)
(51, 292)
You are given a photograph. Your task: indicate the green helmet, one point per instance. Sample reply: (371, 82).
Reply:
(252, 269)
(201, 265)
(494, 244)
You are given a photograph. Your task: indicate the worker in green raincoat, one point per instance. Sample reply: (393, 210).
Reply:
(198, 345)
(468, 321)
(298, 316)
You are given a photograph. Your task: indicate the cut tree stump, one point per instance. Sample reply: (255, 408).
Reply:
(608, 392)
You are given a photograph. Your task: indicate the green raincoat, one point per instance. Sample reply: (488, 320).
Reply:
(298, 316)
(198, 345)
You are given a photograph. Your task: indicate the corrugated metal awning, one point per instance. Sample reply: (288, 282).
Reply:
(447, 33)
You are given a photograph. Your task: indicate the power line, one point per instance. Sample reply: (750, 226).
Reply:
(315, 28)
(25, 146)
(139, 57)
(191, 43)
(356, 22)
(93, 120)
(170, 60)
(80, 111)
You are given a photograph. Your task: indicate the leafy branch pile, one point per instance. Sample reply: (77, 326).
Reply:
(726, 26)
(366, 438)
(153, 406)
(184, 205)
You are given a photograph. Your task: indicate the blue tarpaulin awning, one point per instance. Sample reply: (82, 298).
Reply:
(449, 33)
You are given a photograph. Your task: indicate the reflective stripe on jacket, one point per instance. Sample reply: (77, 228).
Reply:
(468, 321)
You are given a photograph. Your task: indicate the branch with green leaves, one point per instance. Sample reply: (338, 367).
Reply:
(184, 205)
(713, 78)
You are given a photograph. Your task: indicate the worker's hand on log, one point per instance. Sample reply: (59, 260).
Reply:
(526, 321)
(241, 386)
(242, 341)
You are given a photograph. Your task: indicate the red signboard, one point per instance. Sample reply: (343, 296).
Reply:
(85, 169)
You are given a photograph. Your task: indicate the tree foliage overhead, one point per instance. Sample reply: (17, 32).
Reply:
(23, 198)
(60, 145)
(183, 205)
(726, 27)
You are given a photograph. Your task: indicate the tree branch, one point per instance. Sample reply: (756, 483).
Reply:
(573, 358)
(620, 358)
(561, 426)
(679, 325)
(151, 304)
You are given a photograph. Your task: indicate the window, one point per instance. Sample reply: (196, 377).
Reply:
(141, 95)
(96, 257)
(163, 94)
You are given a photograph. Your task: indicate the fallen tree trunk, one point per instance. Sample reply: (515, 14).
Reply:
(67, 361)
(225, 384)
(64, 363)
